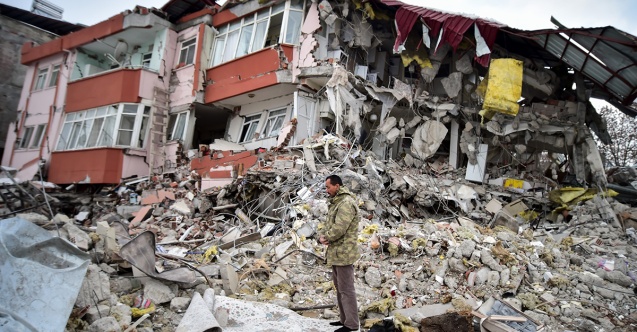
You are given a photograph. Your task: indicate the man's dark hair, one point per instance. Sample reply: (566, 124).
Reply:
(335, 180)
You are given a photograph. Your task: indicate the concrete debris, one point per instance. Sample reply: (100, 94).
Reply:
(483, 198)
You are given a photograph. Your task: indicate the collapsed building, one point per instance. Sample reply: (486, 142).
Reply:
(129, 96)
(210, 130)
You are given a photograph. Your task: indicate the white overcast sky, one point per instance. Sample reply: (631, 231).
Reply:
(528, 14)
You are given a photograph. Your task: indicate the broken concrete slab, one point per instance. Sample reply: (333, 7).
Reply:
(199, 317)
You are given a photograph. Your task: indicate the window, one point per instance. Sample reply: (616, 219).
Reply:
(37, 139)
(114, 125)
(146, 60)
(187, 54)
(250, 124)
(26, 137)
(295, 17)
(40, 81)
(177, 126)
(53, 81)
(256, 31)
(274, 123)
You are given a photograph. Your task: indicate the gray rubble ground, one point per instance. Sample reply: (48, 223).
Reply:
(418, 260)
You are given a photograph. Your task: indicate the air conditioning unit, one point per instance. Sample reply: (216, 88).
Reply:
(90, 70)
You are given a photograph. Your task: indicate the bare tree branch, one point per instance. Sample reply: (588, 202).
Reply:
(623, 131)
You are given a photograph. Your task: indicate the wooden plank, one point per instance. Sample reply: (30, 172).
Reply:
(508, 318)
(244, 239)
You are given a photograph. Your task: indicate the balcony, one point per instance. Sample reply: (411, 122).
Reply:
(111, 87)
(101, 165)
(258, 70)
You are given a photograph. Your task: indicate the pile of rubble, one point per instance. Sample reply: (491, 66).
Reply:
(439, 251)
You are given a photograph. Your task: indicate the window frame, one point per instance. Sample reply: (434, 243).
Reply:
(273, 118)
(190, 48)
(78, 129)
(173, 126)
(25, 139)
(40, 80)
(146, 59)
(218, 50)
(55, 72)
(36, 140)
(252, 121)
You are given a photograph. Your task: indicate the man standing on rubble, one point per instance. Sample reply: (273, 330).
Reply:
(340, 236)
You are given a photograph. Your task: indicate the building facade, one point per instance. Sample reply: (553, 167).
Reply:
(129, 96)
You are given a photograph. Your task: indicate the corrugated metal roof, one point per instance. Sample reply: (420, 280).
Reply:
(177, 9)
(57, 27)
(605, 55)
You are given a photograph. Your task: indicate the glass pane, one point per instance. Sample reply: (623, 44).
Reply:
(248, 19)
(181, 126)
(106, 136)
(64, 136)
(278, 7)
(231, 45)
(38, 136)
(251, 131)
(26, 137)
(70, 117)
(293, 31)
(81, 139)
(54, 75)
(182, 56)
(130, 108)
(235, 25)
(219, 42)
(263, 14)
(112, 109)
(142, 133)
(274, 30)
(75, 131)
(296, 4)
(244, 41)
(95, 132)
(124, 137)
(127, 122)
(259, 35)
(90, 114)
(171, 126)
(101, 111)
(146, 110)
(190, 59)
(278, 123)
(223, 29)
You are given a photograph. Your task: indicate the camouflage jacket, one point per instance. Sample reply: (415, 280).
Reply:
(341, 229)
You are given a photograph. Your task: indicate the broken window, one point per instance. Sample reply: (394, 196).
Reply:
(187, 54)
(256, 31)
(250, 124)
(177, 126)
(26, 137)
(40, 81)
(53, 81)
(99, 126)
(37, 139)
(274, 123)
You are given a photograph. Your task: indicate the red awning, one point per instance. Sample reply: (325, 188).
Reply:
(453, 26)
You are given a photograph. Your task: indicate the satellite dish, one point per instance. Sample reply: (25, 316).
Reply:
(121, 49)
